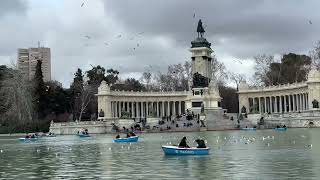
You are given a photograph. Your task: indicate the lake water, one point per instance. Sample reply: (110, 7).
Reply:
(264, 154)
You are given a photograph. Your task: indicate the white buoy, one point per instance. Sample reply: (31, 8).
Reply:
(38, 150)
(1, 151)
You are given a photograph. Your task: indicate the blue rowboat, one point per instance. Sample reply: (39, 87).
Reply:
(27, 139)
(280, 129)
(84, 135)
(249, 129)
(129, 139)
(175, 150)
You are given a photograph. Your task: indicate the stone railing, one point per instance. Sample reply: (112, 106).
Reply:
(275, 88)
(59, 124)
(148, 93)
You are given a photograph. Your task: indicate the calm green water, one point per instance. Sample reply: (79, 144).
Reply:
(284, 155)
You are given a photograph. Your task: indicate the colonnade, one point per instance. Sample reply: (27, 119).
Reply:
(279, 104)
(143, 109)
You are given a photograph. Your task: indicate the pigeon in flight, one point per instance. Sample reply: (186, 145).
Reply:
(87, 37)
(82, 4)
(194, 15)
(310, 22)
(119, 36)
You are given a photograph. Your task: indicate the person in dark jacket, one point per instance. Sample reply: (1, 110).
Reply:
(118, 136)
(201, 143)
(183, 143)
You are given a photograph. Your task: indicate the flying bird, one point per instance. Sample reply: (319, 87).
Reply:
(140, 33)
(138, 44)
(194, 15)
(106, 44)
(87, 37)
(310, 22)
(82, 4)
(239, 61)
(119, 36)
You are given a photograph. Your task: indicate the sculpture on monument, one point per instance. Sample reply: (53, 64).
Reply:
(200, 29)
(315, 104)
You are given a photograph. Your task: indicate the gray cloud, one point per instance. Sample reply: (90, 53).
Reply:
(238, 29)
(8, 7)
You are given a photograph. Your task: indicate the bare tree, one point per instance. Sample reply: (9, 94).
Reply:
(219, 73)
(261, 68)
(16, 100)
(83, 99)
(237, 78)
(315, 56)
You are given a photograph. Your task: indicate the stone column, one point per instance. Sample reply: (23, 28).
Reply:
(285, 103)
(179, 106)
(294, 103)
(280, 104)
(168, 113)
(157, 104)
(289, 98)
(162, 109)
(147, 109)
(301, 103)
(174, 108)
(265, 105)
(260, 109)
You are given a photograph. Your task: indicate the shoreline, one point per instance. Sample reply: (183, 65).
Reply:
(147, 132)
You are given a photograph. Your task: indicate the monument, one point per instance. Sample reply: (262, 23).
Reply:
(202, 98)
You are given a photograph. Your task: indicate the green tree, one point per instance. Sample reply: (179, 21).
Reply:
(96, 75)
(292, 68)
(230, 99)
(129, 84)
(112, 76)
(40, 91)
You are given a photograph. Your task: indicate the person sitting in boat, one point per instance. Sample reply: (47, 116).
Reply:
(86, 132)
(27, 136)
(128, 135)
(278, 126)
(133, 134)
(183, 143)
(118, 136)
(284, 126)
(33, 136)
(201, 143)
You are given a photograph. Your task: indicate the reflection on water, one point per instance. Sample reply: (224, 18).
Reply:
(234, 155)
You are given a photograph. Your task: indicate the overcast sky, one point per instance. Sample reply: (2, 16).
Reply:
(237, 29)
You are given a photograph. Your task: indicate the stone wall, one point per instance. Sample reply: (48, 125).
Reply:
(94, 127)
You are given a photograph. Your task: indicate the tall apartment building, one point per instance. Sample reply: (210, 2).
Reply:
(27, 62)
